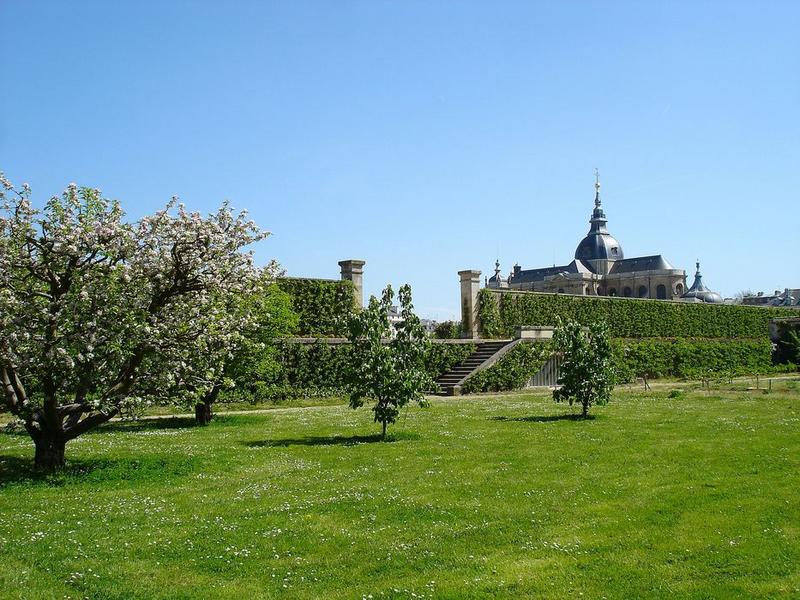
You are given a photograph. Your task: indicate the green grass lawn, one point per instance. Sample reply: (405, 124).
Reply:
(694, 496)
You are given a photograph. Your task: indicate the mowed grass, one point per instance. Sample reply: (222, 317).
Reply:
(696, 496)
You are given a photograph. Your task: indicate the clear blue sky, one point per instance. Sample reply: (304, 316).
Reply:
(426, 137)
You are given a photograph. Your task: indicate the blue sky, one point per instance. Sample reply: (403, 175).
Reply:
(426, 137)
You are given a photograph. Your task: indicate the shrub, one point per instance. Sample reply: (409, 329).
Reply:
(440, 358)
(512, 370)
(447, 330)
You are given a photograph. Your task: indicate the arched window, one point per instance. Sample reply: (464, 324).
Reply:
(560, 290)
(679, 289)
(612, 292)
(627, 292)
(643, 291)
(661, 292)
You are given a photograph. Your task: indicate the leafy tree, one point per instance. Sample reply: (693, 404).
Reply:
(388, 366)
(96, 312)
(254, 359)
(587, 371)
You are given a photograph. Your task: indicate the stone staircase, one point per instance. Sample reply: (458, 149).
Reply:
(485, 355)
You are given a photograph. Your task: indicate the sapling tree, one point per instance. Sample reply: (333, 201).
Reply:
(96, 312)
(587, 370)
(388, 364)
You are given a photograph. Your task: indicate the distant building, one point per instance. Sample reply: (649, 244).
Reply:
(790, 297)
(601, 269)
(429, 325)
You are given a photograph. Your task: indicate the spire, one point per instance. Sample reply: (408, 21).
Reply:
(598, 219)
(596, 188)
(697, 285)
(497, 269)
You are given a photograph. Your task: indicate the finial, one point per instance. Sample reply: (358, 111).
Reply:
(697, 264)
(597, 188)
(497, 269)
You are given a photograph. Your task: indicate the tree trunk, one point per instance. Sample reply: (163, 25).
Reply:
(585, 410)
(383, 435)
(203, 413)
(49, 453)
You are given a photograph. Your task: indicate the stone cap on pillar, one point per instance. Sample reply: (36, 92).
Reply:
(470, 274)
(352, 265)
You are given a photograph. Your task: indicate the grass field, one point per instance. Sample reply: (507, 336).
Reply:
(693, 496)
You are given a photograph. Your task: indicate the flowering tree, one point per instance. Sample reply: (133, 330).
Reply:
(95, 312)
(587, 371)
(388, 365)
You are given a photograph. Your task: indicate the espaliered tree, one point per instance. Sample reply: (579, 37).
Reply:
(388, 364)
(587, 371)
(95, 312)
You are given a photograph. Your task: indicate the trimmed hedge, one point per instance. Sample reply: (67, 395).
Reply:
(693, 358)
(513, 369)
(321, 305)
(626, 317)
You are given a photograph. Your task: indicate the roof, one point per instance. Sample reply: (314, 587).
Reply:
(530, 275)
(641, 263)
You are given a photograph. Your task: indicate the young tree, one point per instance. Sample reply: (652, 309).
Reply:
(587, 371)
(95, 311)
(388, 366)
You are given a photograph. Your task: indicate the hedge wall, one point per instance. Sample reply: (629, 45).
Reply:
(693, 358)
(512, 371)
(318, 369)
(321, 305)
(626, 317)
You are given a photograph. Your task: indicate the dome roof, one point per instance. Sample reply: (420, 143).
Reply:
(699, 292)
(597, 246)
(598, 243)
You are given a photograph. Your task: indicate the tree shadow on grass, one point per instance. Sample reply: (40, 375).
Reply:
(545, 418)
(146, 425)
(116, 472)
(331, 440)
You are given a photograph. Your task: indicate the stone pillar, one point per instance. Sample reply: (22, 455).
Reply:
(470, 286)
(353, 270)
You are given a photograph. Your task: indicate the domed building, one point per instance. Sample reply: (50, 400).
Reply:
(600, 268)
